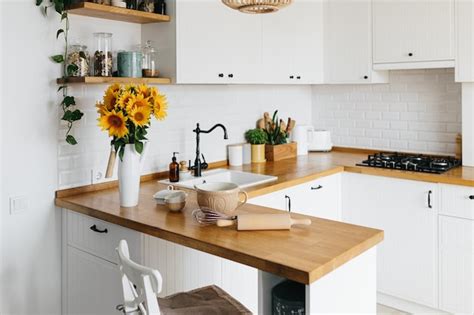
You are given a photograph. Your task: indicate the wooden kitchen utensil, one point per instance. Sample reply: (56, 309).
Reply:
(253, 222)
(110, 165)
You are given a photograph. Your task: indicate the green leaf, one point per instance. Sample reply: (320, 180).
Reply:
(38, 2)
(62, 87)
(71, 140)
(139, 147)
(59, 32)
(68, 101)
(71, 69)
(121, 152)
(76, 115)
(59, 6)
(58, 58)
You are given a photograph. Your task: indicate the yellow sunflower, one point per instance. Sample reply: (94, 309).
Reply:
(124, 99)
(114, 88)
(110, 99)
(137, 101)
(160, 107)
(115, 123)
(144, 90)
(130, 88)
(140, 116)
(101, 108)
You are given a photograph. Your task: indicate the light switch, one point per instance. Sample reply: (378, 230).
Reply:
(18, 204)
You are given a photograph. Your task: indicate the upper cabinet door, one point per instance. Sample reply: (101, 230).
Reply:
(413, 30)
(223, 47)
(292, 51)
(348, 43)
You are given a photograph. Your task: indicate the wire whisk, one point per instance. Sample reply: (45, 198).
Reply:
(206, 216)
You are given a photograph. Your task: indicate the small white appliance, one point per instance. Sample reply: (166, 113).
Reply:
(302, 135)
(320, 141)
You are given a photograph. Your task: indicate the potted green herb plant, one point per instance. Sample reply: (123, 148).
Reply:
(257, 138)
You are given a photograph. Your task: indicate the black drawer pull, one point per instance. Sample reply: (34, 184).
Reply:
(298, 77)
(471, 197)
(429, 200)
(221, 75)
(231, 75)
(95, 229)
(366, 77)
(410, 55)
(292, 76)
(317, 187)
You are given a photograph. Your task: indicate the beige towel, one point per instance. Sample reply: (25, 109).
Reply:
(204, 301)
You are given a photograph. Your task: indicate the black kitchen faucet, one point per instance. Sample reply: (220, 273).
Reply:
(198, 165)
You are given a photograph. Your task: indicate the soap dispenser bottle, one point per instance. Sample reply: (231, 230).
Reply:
(174, 169)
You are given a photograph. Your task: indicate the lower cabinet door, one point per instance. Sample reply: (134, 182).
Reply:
(407, 259)
(93, 284)
(456, 265)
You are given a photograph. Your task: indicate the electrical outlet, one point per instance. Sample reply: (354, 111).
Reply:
(96, 176)
(18, 204)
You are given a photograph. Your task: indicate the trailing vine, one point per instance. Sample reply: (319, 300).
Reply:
(70, 114)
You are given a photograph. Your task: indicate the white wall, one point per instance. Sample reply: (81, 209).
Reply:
(419, 110)
(30, 241)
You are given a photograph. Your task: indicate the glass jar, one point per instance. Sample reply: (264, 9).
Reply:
(103, 55)
(150, 60)
(146, 5)
(129, 64)
(79, 57)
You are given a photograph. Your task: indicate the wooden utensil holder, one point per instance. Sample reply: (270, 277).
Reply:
(280, 151)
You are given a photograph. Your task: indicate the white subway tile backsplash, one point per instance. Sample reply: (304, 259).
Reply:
(419, 110)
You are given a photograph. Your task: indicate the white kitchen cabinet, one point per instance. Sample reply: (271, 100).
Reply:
(407, 259)
(292, 51)
(319, 198)
(93, 284)
(464, 17)
(241, 282)
(223, 47)
(456, 265)
(413, 34)
(348, 43)
(457, 201)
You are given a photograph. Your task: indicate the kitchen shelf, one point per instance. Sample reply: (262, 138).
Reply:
(110, 80)
(115, 13)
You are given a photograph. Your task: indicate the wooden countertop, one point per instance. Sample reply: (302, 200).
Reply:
(303, 254)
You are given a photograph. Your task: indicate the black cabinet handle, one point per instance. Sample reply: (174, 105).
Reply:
(289, 202)
(292, 76)
(410, 54)
(366, 77)
(95, 229)
(298, 77)
(471, 197)
(317, 187)
(231, 75)
(221, 75)
(429, 199)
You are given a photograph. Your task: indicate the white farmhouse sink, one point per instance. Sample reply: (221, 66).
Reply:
(242, 179)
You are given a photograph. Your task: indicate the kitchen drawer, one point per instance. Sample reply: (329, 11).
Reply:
(80, 235)
(455, 201)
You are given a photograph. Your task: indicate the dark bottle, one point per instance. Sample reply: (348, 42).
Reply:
(174, 169)
(160, 7)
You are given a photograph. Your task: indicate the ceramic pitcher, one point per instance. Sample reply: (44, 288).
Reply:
(129, 171)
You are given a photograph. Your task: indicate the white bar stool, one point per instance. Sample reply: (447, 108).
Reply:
(141, 285)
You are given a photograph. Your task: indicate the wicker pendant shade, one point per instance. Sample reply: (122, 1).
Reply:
(257, 6)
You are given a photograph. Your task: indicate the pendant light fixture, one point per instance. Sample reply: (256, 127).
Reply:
(257, 6)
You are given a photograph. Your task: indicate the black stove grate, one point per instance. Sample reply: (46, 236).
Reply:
(411, 162)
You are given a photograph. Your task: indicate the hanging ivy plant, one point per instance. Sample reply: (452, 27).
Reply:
(70, 113)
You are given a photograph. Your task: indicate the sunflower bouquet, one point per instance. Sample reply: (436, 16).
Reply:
(126, 111)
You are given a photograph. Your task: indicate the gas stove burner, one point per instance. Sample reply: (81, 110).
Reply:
(411, 162)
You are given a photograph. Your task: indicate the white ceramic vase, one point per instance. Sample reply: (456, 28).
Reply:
(129, 170)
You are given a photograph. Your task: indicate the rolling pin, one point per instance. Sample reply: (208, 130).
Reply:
(253, 222)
